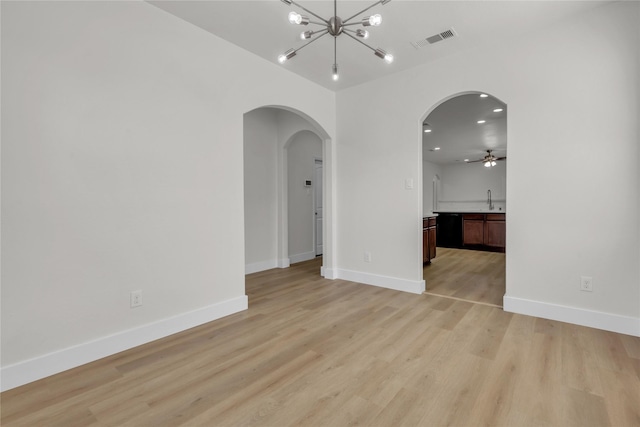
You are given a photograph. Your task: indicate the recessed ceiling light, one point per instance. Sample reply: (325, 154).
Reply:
(481, 121)
(484, 95)
(466, 160)
(427, 130)
(436, 148)
(497, 110)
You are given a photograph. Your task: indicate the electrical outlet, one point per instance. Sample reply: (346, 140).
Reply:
(136, 298)
(586, 283)
(367, 256)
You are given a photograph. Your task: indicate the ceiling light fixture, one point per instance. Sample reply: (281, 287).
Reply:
(488, 161)
(427, 130)
(497, 110)
(481, 121)
(482, 95)
(335, 26)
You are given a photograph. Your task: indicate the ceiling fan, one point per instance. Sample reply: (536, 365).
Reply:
(489, 160)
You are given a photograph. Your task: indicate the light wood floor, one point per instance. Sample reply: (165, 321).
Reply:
(314, 352)
(469, 275)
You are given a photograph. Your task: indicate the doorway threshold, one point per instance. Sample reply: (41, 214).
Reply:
(488, 304)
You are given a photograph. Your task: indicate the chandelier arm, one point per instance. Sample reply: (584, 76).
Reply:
(308, 11)
(352, 23)
(363, 11)
(321, 34)
(359, 41)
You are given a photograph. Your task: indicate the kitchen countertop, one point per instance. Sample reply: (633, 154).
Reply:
(473, 211)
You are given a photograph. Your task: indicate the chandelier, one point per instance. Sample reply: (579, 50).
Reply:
(335, 26)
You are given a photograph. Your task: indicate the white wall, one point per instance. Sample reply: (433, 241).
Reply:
(122, 169)
(302, 151)
(464, 186)
(572, 90)
(429, 172)
(260, 189)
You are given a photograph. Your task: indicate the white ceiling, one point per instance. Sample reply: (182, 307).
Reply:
(455, 130)
(262, 27)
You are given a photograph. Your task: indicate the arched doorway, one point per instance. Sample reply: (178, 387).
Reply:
(464, 147)
(268, 132)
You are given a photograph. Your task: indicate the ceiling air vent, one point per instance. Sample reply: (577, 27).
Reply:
(435, 38)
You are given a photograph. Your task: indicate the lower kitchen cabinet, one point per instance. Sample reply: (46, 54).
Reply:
(473, 229)
(428, 239)
(484, 231)
(495, 231)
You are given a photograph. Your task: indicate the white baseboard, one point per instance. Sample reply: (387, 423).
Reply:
(305, 256)
(43, 366)
(412, 286)
(260, 266)
(284, 263)
(578, 316)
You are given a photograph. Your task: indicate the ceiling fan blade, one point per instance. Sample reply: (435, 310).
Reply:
(501, 158)
(475, 161)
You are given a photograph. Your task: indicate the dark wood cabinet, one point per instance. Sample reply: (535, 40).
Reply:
(473, 229)
(495, 231)
(428, 239)
(432, 242)
(484, 231)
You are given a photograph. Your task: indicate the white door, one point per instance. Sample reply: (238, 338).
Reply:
(318, 206)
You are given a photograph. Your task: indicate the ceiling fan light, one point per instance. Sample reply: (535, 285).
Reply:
(493, 163)
(487, 164)
(287, 55)
(362, 33)
(373, 20)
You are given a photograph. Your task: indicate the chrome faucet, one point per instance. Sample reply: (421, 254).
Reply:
(489, 200)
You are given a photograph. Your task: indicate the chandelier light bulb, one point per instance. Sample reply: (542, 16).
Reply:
(334, 72)
(295, 17)
(374, 20)
(287, 55)
(384, 55)
(362, 33)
